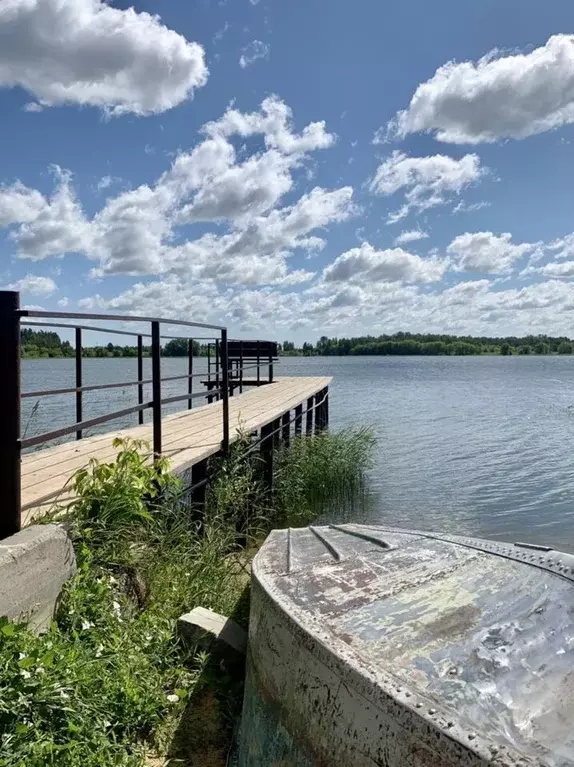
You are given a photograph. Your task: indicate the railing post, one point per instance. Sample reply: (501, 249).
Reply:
(209, 399)
(309, 424)
(10, 469)
(241, 367)
(217, 363)
(190, 372)
(140, 378)
(225, 386)
(79, 384)
(156, 386)
(258, 364)
(270, 368)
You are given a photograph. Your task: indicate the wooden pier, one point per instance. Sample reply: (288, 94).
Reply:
(189, 437)
(34, 476)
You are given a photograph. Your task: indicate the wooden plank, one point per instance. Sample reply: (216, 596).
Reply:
(189, 436)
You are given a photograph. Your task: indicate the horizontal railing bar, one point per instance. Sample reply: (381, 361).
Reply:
(116, 318)
(68, 326)
(83, 327)
(47, 436)
(97, 387)
(196, 395)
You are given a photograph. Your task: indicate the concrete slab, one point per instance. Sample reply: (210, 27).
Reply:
(34, 565)
(206, 629)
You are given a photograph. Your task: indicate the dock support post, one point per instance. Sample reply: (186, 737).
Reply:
(309, 424)
(298, 420)
(326, 407)
(321, 411)
(286, 427)
(10, 469)
(267, 455)
(277, 432)
(156, 387)
(199, 474)
(140, 378)
(78, 380)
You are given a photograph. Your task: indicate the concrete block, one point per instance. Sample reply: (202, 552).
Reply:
(34, 565)
(206, 628)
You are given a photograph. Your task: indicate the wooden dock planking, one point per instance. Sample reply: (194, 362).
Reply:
(189, 437)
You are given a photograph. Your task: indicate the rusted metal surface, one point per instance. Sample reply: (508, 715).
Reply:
(376, 646)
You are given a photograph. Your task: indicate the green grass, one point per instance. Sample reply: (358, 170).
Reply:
(109, 683)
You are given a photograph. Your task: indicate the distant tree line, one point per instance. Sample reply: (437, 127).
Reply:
(40, 343)
(430, 344)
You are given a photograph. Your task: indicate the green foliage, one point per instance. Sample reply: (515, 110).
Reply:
(107, 684)
(321, 473)
(127, 491)
(430, 344)
(179, 347)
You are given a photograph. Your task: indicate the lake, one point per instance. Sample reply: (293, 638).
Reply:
(470, 445)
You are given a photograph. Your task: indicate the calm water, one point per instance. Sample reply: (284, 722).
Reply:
(477, 445)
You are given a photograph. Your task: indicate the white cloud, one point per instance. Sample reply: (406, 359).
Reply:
(87, 52)
(33, 106)
(274, 122)
(139, 232)
(556, 269)
(35, 285)
(411, 236)
(498, 97)
(63, 302)
(426, 181)
(464, 207)
(252, 52)
(487, 253)
(367, 265)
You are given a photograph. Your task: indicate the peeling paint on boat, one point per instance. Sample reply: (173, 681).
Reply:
(377, 646)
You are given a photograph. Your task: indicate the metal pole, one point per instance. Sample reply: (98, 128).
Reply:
(286, 431)
(190, 372)
(309, 424)
(267, 455)
(209, 399)
(10, 516)
(217, 362)
(140, 378)
(79, 384)
(225, 376)
(298, 420)
(326, 407)
(258, 365)
(156, 386)
(241, 367)
(270, 368)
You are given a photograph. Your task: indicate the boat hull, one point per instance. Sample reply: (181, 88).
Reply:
(326, 685)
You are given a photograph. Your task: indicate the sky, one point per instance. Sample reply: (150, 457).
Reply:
(292, 169)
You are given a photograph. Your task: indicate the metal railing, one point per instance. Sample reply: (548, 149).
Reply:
(12, 318)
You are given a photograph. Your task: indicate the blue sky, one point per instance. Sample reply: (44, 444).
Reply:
(292, 169)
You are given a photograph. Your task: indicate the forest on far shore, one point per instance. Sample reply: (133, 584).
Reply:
(430, 344)
(47, 344)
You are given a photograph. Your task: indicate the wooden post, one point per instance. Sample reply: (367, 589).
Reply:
(286, 427)
(267, 455)
(78, 380)
(309, 424)
(10, 469)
